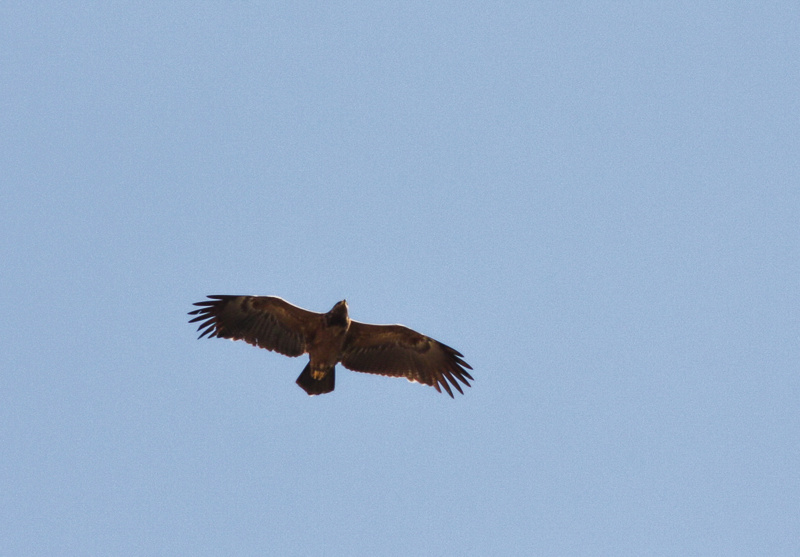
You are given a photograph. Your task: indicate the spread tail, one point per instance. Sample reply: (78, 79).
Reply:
(317, 386)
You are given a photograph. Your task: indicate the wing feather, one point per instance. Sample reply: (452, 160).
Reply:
(398, 351)
(264, 321)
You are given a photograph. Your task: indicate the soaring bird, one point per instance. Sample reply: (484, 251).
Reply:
(331, 338)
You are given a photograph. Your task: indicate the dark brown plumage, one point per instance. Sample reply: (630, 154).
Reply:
(330, 338)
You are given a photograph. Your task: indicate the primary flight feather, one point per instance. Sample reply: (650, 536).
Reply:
(330, 338)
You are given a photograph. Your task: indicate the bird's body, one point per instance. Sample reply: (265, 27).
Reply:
(330, 338)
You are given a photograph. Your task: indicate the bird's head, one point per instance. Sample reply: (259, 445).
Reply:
(338, 315)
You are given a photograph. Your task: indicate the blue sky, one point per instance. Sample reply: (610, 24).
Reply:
(597, 203)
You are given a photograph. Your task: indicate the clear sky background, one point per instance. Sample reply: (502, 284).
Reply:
(597, 203)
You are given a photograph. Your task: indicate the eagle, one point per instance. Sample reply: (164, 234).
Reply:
(331, 338)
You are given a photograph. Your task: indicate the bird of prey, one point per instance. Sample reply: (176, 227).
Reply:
(330, 338)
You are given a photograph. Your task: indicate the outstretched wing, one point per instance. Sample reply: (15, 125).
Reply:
(398, 351)
(264, 321)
